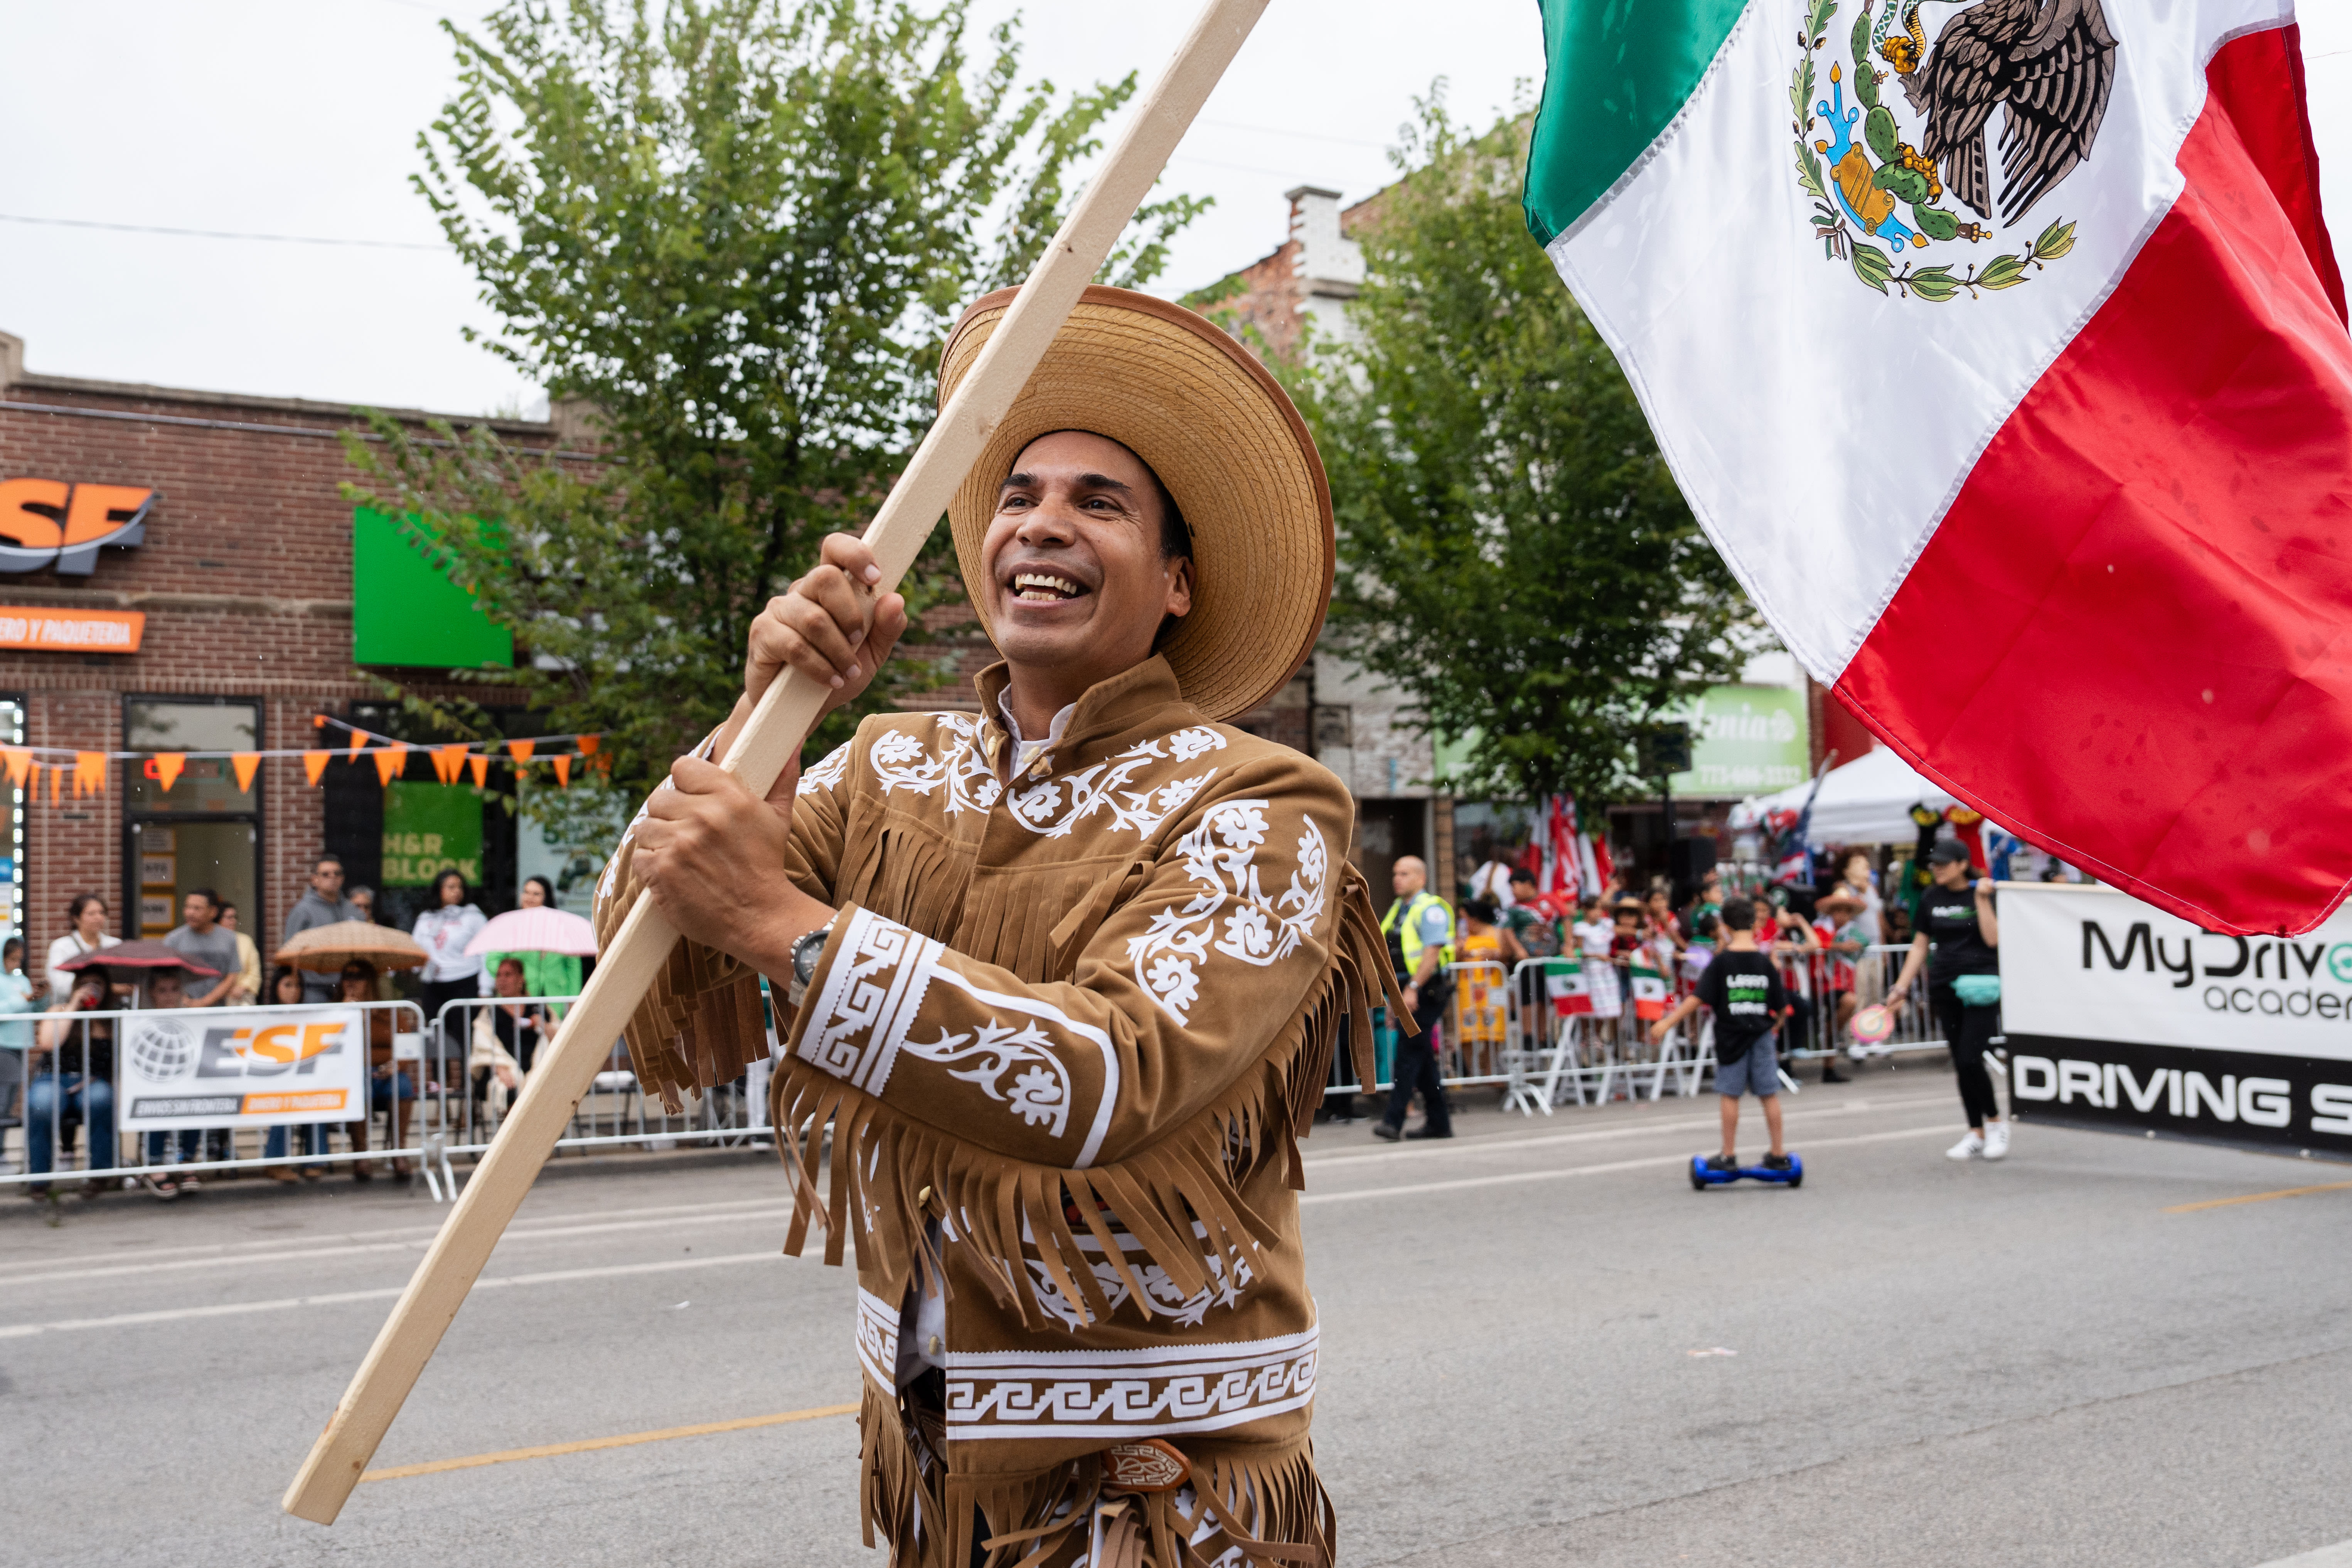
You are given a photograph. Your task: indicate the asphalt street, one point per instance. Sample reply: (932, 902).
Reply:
(1539, 1345)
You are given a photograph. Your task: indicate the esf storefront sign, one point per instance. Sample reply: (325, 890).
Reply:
(241, 1066)
(2119, 1015)
(52, 523)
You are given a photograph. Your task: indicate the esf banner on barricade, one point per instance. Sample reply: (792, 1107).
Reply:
(241, 1066)
(2118, 1015)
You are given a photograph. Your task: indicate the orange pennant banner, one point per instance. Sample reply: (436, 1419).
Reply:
(389, 763)
(520, 749)
(314, 764)
(57, 784)
(448, 762)
(481, 766)
(588, 744)
(245, 764)
(167, 769)
(90, 773)
(20, 763)
(562, 770)
(359, 743)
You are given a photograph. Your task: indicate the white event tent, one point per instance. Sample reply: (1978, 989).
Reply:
(1867, 801)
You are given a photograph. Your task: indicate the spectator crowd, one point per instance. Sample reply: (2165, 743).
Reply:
(58, 1032)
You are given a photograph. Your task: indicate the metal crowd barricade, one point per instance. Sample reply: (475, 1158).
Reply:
(473, 1037)
(1540, 1066)
(456, 1110)
(70, 1111)
(1584, 1060)
(1545, 1060)
(1489, 1054)
(1822, 980)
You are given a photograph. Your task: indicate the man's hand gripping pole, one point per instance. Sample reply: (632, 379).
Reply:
(779, 724)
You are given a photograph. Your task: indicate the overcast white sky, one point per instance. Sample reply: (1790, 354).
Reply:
(299, 117)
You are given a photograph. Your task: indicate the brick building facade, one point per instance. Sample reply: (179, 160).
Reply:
(245, 579)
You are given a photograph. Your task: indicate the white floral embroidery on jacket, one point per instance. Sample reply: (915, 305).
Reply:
(1220, 855)
(1041, 1090)
(1166, 1300)
(901, 761)
(826, 773)
(1140, 812)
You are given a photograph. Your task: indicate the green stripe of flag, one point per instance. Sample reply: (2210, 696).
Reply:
(1616, 73)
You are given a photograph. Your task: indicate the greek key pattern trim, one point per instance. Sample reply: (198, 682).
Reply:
(870, 997)
(878, 1340)
(1128, 1394)
(873, 995)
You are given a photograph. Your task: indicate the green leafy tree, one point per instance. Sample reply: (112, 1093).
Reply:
(737, 231)
(1514, 555)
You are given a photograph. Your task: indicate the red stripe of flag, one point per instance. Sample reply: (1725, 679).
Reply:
(2130, 638)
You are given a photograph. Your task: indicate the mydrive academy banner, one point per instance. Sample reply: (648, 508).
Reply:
(2120, 1016)
(231, 1066)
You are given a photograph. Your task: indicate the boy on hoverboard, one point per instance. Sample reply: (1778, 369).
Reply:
(1744, 990)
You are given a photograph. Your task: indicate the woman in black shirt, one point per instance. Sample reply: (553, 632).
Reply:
(1958, 925)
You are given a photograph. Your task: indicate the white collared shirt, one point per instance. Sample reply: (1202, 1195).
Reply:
(1023, 751)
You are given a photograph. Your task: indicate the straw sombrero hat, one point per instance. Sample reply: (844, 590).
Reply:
(1196, 406)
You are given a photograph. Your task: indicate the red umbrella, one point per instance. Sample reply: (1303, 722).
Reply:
(138, 955)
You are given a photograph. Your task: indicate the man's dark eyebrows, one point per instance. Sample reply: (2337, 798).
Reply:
(1084, 482)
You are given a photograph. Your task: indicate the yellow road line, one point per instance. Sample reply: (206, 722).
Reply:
(625, 1439)
(2258, 1198)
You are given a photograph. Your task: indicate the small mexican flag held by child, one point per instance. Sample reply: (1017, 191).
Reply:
(1564, 984)
(1649, 990)
(1999, 347)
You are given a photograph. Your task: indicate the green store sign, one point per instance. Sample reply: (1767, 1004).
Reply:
(429, 828)
(1746, 740)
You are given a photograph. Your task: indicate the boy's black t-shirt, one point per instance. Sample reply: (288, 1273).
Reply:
(1948, 917)
(1744, 991)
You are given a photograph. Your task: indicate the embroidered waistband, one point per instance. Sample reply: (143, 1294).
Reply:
(1127, 1392)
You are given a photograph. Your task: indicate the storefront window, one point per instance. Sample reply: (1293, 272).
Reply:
(199, 829)
(204, 784)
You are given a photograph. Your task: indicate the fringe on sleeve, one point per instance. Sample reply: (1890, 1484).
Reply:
(893, 1172)
(702, 1023)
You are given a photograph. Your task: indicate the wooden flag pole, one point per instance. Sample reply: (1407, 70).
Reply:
(778, 726)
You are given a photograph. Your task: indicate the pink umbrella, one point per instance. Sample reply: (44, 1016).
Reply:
(540, 930)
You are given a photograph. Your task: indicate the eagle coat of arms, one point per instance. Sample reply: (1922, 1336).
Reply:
(1886, 172)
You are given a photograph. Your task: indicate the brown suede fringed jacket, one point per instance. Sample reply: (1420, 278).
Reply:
(1066, 1030)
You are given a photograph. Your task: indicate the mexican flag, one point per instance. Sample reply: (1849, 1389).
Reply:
(1999, 347)
(1564, 984)
(1649, 991)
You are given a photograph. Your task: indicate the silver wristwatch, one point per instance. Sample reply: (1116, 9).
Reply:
(806, 951)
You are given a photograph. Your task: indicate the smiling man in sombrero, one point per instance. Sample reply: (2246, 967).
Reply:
(1065, 976)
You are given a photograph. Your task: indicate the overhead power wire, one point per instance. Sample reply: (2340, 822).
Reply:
(220, 234)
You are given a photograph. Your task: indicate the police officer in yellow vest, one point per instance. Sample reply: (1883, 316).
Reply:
(1420, 928)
